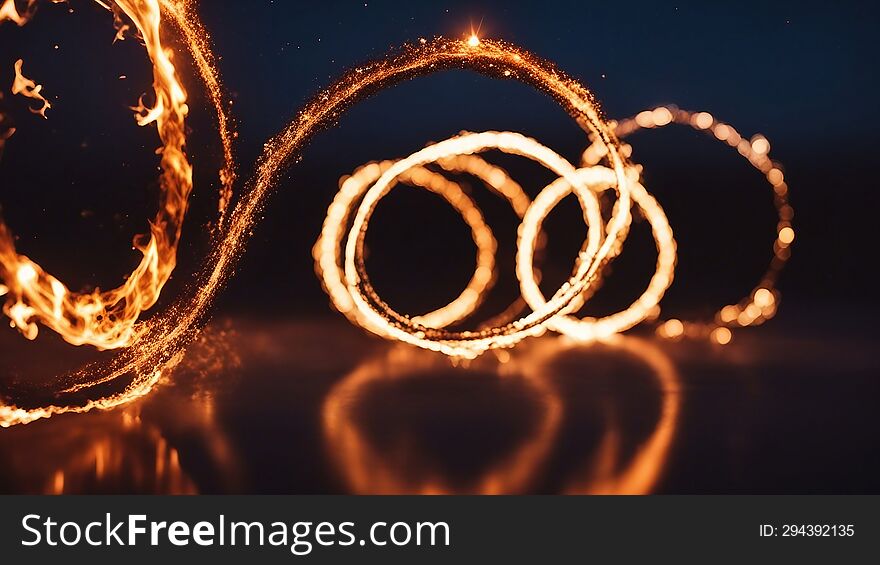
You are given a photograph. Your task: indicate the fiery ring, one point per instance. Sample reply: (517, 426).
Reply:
(106, 319)
(154, 346)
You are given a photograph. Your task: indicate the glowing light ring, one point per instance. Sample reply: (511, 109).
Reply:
(762, 302)
(469, 344)
(106, 319)
(598, 179)
(490, 57)
(327, 249)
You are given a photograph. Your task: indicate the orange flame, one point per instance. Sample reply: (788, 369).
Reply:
(107, 319)
(8, 11)
(29, 89)
(155, 346)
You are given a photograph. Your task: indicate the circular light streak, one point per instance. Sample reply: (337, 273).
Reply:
(327, 250)
(587, 329)
(762, 302)
(146, 350)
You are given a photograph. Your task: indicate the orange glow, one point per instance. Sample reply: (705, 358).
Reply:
(786, 235)
(763, 298)
(9, 12)
(721, 335)
(672, 328)
(760, 145)
(646, 466)
(366, 471)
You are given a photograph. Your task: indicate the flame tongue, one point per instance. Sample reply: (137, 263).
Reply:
(29, 89)
(107, 319)
(8, 11)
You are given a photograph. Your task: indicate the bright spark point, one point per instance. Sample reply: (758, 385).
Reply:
(473, 40)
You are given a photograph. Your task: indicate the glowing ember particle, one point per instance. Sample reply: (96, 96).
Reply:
(721, 336)
(786, 235)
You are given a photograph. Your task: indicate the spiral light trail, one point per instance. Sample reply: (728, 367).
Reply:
(147, 349)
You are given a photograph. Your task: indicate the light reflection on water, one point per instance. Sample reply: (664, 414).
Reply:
(315, 407)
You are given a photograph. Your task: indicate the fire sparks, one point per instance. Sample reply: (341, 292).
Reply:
(197, 42)
(8, 11)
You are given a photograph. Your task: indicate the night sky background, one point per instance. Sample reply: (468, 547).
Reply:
(78, 186)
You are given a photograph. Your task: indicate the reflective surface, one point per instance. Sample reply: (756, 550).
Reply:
(319, 407)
